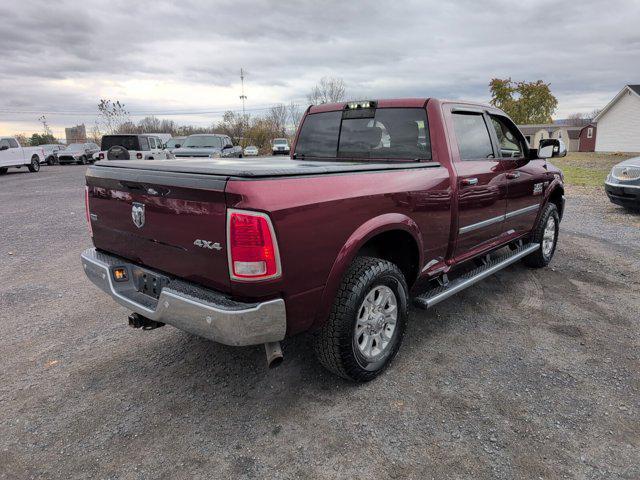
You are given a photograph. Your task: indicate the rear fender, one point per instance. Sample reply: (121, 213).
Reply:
(366, 231)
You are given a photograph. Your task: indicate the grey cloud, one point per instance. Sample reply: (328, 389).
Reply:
(412, 48)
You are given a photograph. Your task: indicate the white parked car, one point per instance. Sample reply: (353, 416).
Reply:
(79, 153)
(132, 147)
(51, 151)
(250, 151)
(280, 146)
(12, 154)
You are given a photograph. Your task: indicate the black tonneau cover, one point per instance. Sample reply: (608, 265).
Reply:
(259, 167)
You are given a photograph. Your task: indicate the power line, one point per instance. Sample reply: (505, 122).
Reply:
(140, 113)
(214, 110)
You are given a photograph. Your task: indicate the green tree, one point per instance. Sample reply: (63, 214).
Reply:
(524, 102)
(42, 139)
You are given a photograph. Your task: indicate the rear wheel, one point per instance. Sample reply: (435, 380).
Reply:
(34, 166)
(367, 321)
(546, 234)
(3, 170)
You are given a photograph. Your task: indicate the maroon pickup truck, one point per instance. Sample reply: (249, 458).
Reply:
(381, 203)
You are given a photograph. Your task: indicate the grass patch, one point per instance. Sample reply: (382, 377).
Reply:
(582, 169)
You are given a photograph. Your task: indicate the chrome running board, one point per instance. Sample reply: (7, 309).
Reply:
(442, 292)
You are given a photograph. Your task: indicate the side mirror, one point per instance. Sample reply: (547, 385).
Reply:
(228, 145)
(552, 147)
(177, 145)
(4, 147)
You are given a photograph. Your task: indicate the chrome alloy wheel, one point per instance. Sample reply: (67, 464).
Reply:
(549, 236)
(376, 322)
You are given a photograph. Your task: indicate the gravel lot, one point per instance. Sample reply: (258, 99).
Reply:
(530, 374)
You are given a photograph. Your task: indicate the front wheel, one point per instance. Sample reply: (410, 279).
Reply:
(367, 321)
(546, 234)
(34, 166)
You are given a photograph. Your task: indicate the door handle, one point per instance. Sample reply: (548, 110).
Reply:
(469, 181)
(512, 175)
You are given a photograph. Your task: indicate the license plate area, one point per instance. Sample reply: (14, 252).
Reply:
(149, 283)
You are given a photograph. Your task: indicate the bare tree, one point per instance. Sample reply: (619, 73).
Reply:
(295, 115)
(234, 125)
(328, 90)
(112, 116)
(94, 135)
(277, 116)
(149, 125)
(45, 125)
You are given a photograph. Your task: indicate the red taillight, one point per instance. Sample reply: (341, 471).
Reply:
(139, 156)
(253, 249)
(86, 209)
(101, 156)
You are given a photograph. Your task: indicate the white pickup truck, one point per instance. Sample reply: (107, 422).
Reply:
(14, 155)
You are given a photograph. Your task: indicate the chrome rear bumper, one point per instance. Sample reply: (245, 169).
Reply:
(188, 306)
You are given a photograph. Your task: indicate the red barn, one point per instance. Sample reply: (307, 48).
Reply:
(588, 138)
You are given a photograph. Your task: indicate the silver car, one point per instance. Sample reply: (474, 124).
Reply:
(623, 184)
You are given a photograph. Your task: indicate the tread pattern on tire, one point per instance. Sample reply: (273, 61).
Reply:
(536, 259)
(333, 342)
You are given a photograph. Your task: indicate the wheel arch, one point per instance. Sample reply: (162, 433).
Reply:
(374, 238)
(555, 195)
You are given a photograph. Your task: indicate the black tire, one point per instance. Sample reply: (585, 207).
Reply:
(34, 166)
(335, 343)
(3, 170)
(50, 161)
(541, 257)
(82, 160)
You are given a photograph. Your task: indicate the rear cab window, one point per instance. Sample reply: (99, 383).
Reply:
(130, 142)
(366, 134)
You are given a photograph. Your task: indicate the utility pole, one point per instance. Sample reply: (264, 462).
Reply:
(243, 97)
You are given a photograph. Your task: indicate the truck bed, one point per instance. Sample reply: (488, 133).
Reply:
(259, 167)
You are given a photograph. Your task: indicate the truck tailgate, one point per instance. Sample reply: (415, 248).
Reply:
(169, 221)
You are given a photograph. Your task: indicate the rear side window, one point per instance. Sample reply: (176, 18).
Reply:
(152, 142)
(387, 133)
(13, 143)
(130, 142)
(144, 143)
(4, 142)
(474, 142)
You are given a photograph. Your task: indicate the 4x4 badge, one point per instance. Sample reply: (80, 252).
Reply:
(207, 244)
(137, 214)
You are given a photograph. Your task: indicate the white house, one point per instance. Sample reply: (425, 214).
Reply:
(619, 122)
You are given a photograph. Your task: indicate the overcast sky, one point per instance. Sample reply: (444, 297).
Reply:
(64, 56)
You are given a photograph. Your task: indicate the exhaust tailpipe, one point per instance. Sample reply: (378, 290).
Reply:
(138, 321)
(274, 354)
